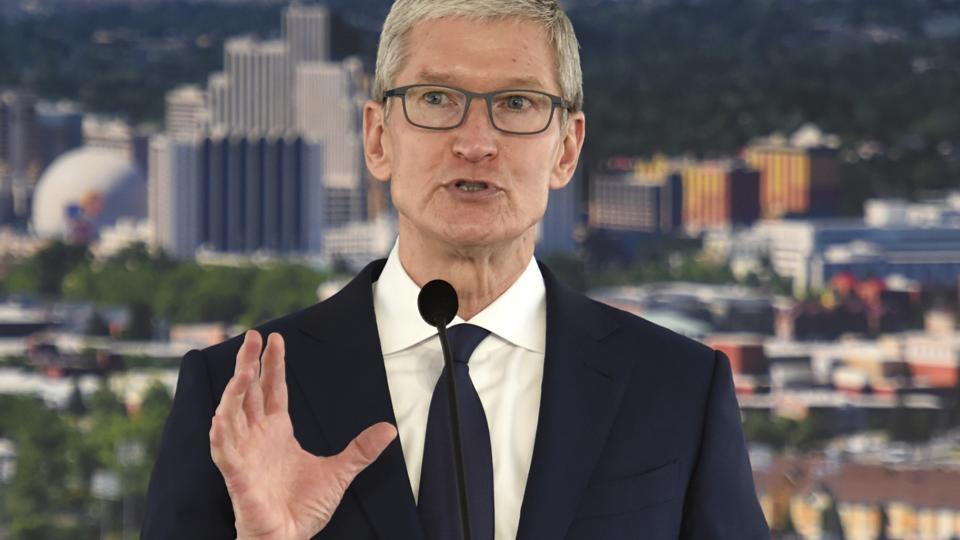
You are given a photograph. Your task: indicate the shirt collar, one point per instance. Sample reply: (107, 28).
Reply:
(519, 315)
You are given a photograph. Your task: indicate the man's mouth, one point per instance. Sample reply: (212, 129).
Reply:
(469, 185)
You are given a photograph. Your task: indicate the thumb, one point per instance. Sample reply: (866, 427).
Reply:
(365, 448)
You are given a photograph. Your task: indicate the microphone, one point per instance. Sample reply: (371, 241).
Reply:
(438, 305)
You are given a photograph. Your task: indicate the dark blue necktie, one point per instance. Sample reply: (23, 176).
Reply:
(438, 502)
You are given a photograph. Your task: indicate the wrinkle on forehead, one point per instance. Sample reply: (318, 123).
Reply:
(439, 77)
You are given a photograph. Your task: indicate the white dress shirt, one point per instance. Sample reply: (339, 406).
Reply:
(506, 369)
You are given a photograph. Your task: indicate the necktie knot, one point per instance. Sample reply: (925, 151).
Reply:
(464, 339)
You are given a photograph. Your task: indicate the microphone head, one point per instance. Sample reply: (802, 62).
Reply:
(438, 303)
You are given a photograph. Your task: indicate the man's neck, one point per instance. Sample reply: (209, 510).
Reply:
(479, 275)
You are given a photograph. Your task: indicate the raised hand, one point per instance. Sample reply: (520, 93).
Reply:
(278, 489)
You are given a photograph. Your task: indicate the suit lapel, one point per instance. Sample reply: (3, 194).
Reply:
(344, 381)
(583, 382)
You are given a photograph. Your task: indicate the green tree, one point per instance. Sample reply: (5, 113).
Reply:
(280, 289)
(44, 272)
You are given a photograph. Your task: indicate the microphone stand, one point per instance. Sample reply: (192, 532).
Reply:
(455, 423)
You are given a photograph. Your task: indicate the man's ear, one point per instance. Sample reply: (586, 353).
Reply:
(376, 144)
(568, 152)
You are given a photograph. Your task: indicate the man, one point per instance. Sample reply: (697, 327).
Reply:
(600, 424)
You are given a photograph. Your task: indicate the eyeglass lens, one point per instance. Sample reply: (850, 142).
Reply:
(440, 107)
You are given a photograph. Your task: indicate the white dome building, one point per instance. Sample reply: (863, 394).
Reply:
(84, 190)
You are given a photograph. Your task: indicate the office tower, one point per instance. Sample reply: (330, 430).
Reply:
(260, 193)
(253, 93)
(280, 125)
(173, 208)
(186, 113)
(795, 178)
(306, 30)
(719, 195)
(327, 108)
(19, 156)
(60, 127)
(237, 193)
(631, 202)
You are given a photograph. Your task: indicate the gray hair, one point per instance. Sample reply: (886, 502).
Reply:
(404, 14)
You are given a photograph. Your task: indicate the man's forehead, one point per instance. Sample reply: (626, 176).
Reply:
(503, 52)
(428, 75)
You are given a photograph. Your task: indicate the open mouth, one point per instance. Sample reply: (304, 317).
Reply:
(468, 185)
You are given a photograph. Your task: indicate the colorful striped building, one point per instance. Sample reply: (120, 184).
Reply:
(794, 180)
(719, 194)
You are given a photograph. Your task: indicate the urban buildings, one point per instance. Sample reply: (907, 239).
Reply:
(719, 194)
(798, 176)
(775, 177)
(674, 195)
(60, 127)
(20, 165)
(269, 157)
(824, 497)
(913, 241)
(187, 113)
(116, 135)
(627, 201)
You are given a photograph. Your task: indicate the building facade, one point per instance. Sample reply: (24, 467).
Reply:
(719, 195)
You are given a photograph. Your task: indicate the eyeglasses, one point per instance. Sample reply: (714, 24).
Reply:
(519, 112)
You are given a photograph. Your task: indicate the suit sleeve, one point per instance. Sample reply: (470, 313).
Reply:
(187, 497)
(721, 499)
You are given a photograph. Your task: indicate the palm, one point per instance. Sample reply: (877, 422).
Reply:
(279, 490)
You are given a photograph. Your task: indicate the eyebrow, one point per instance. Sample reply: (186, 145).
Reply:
(532, 83)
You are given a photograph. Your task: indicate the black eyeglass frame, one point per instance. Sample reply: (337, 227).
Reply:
(401, 92)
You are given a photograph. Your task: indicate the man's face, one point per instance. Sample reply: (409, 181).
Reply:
(428, 168)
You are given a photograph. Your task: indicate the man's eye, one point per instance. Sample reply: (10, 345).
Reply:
(435, 98)
(517, 103)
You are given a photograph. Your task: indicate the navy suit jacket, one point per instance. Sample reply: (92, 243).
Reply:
(638, 435)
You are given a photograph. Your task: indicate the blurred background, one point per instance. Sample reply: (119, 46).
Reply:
(779, 179)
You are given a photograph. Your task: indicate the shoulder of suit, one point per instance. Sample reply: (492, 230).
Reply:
(357, 289)
(225, 352)
(646, 335)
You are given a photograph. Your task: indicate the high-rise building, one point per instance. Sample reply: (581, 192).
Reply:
(271, 152)
(237, 193)
(173, 208)
(327, 108)
(254, 94)
(306, 30)
(186, 113)
(261, 193)
(19, 156)
(719, 194)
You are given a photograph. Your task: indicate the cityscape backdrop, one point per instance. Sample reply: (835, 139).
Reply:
(778, 179)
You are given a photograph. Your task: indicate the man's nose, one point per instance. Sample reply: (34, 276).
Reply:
(476, 139)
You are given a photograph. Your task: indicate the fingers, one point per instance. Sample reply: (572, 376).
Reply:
(230, 414)
(365, 448)
(274, 376)
(248, 359)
